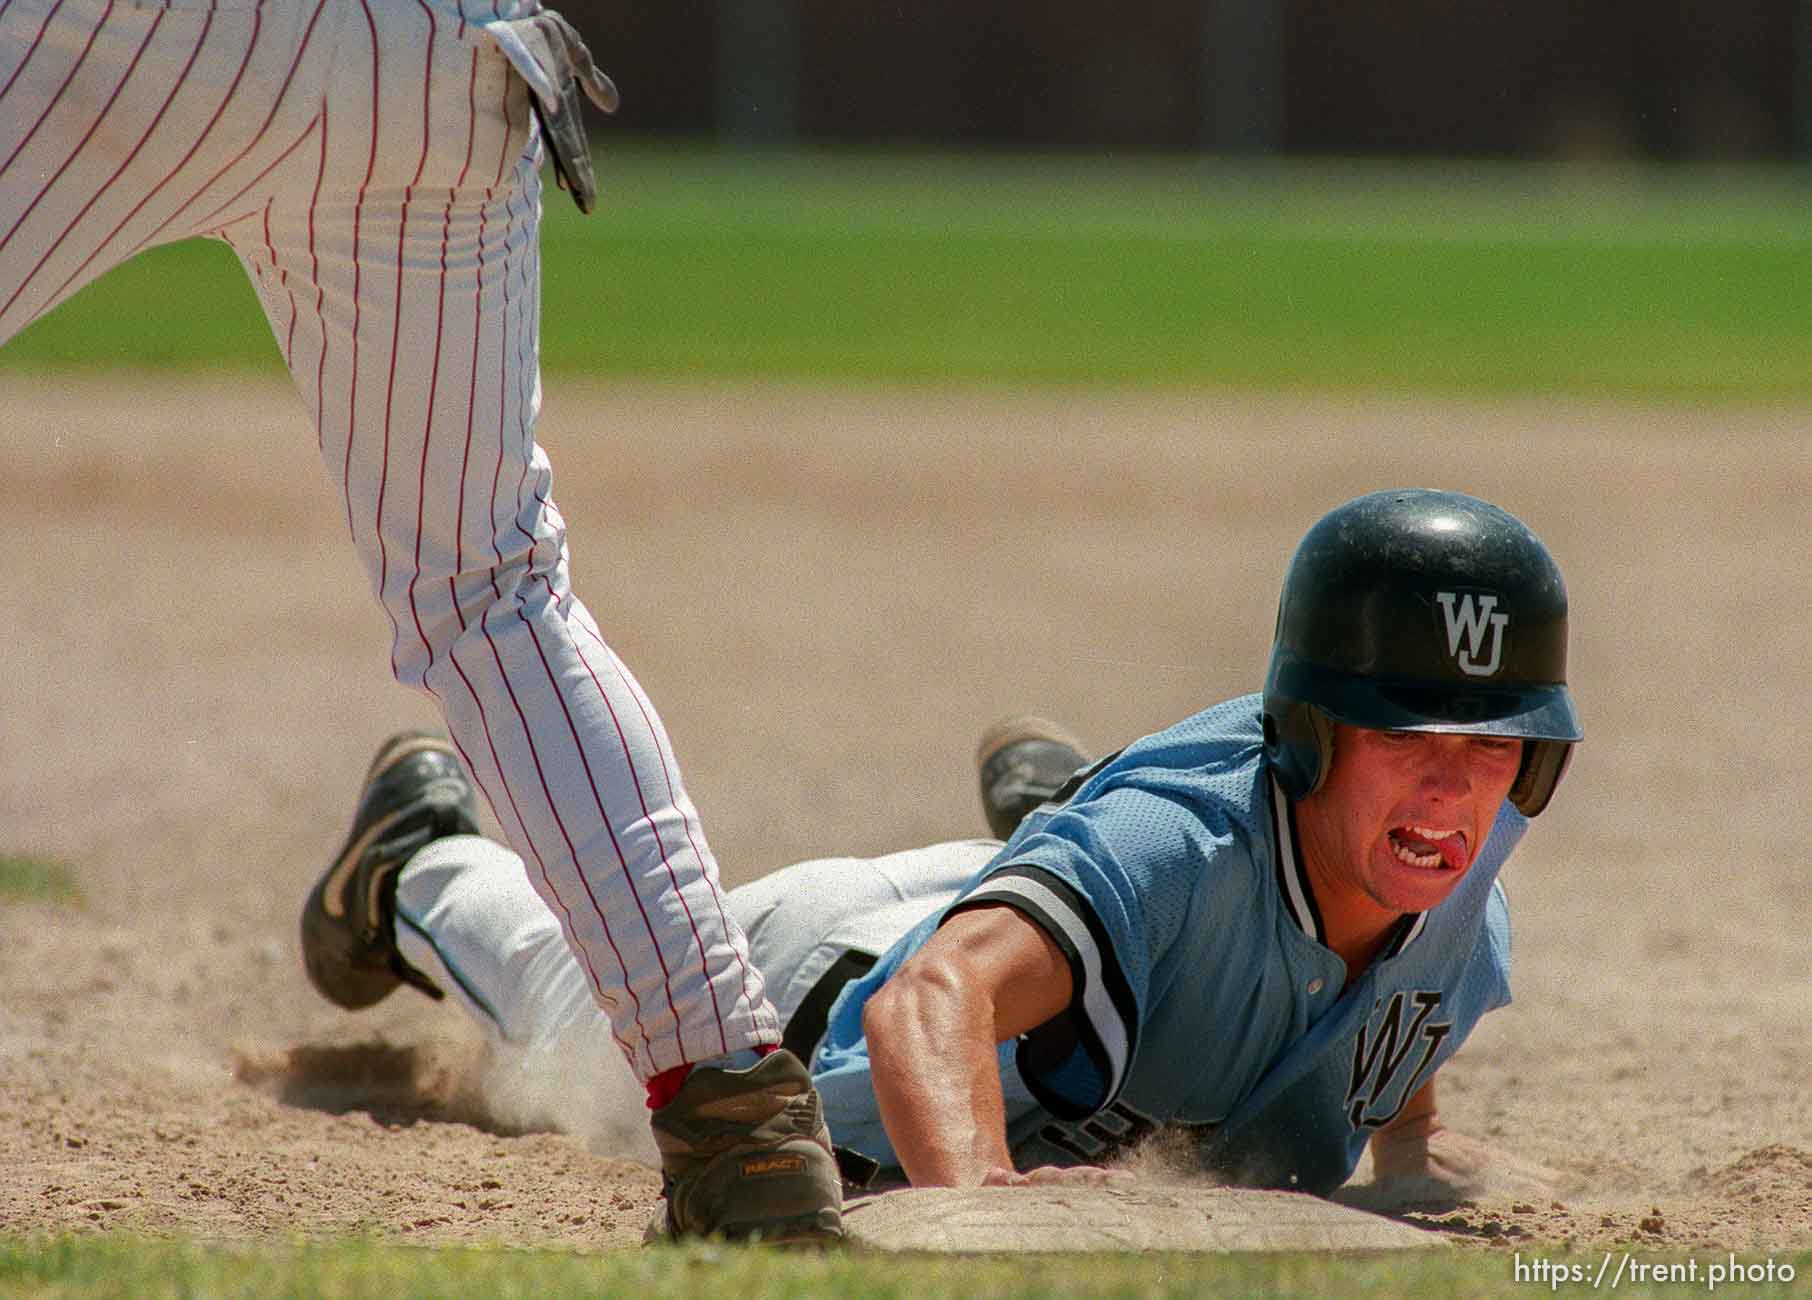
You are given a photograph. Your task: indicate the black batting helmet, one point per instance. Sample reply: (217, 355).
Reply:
(1418, 610)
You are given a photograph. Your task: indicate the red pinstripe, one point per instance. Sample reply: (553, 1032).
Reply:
(629, 762)
(221, 227)
(396, 335)
(609, 830)
(446, 227)
(686, 821)
(503, 155)
(275, 199)
(560, 823)
(314, 271)
(521, 486)
(276, 104)
(523, 371)
(219, 112)
(636, 781)
(211, 223)
(45, 115)
(94, 198)
(643, 706)
(522, 393)
(484, 215)
(36, 41)
(358, 215)
(69, 161)
(289, 339)
(528, 734)
(503, 391)
(465, 464)
(691, 827)
(584, 957)
(477, 700)
(433, 376)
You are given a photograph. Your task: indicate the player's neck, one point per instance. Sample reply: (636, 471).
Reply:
(1353, 924)
(1356, 941)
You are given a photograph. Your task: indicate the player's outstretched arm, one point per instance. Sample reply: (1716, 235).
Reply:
(1417, 1161)
(988, 974)
(1401, 1148)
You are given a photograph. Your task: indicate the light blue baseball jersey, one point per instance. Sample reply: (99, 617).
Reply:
(1204, 996)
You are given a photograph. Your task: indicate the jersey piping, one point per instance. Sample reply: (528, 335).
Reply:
(1107, 1026)
(1299, 896)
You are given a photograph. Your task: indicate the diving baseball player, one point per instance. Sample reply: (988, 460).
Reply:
(374, 164)
(1267, 926)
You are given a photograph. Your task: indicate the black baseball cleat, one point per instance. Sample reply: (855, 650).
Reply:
(415, 792)
(1023, 762)
(745, 1156)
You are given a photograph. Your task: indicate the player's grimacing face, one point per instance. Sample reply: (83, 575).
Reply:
(1403, 814)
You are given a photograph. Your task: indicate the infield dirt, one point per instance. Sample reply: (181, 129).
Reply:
(829, 594)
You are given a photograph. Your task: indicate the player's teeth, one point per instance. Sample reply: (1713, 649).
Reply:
(1414, 859)
(1430, 833)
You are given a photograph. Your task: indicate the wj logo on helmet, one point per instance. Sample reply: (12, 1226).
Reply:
(1470, 621)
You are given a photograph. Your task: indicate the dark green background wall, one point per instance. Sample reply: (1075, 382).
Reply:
(1658, 79)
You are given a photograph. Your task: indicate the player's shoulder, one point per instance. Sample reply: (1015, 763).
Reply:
(1210, 767)
(1204, 775)
(1171, 814)
(1229, 731)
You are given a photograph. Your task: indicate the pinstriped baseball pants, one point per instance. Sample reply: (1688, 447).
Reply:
(372, 164)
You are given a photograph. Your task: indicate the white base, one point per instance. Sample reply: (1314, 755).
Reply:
(1022, 1220)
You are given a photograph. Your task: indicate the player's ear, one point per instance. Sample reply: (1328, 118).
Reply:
(1544, 763)
(1299, 741)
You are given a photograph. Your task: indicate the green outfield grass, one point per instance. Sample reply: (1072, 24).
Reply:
(89, 1268)
(1438, 278)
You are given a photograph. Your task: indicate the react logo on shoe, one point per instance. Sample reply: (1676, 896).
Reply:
(769, 1165)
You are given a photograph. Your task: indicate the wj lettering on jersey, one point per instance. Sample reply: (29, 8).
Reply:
(1471, 620)
(1381, 1050)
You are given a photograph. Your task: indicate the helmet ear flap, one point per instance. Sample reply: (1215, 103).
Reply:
(1299, 740)
(1544, 763)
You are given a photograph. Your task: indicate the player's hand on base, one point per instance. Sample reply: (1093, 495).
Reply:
(1057, 1176)
(1433, 1168)
(1439, 1169)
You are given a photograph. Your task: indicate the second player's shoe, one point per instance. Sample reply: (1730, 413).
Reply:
(414, 792)
(745, 1155)
(1022, 762)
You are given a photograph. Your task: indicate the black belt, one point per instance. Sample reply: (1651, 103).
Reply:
(805, 1029)
(807, 1025)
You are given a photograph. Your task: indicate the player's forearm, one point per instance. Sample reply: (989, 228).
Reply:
(936, 1078)
(1401, 1146)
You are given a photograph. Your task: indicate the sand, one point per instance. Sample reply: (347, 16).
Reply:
(829, 594)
